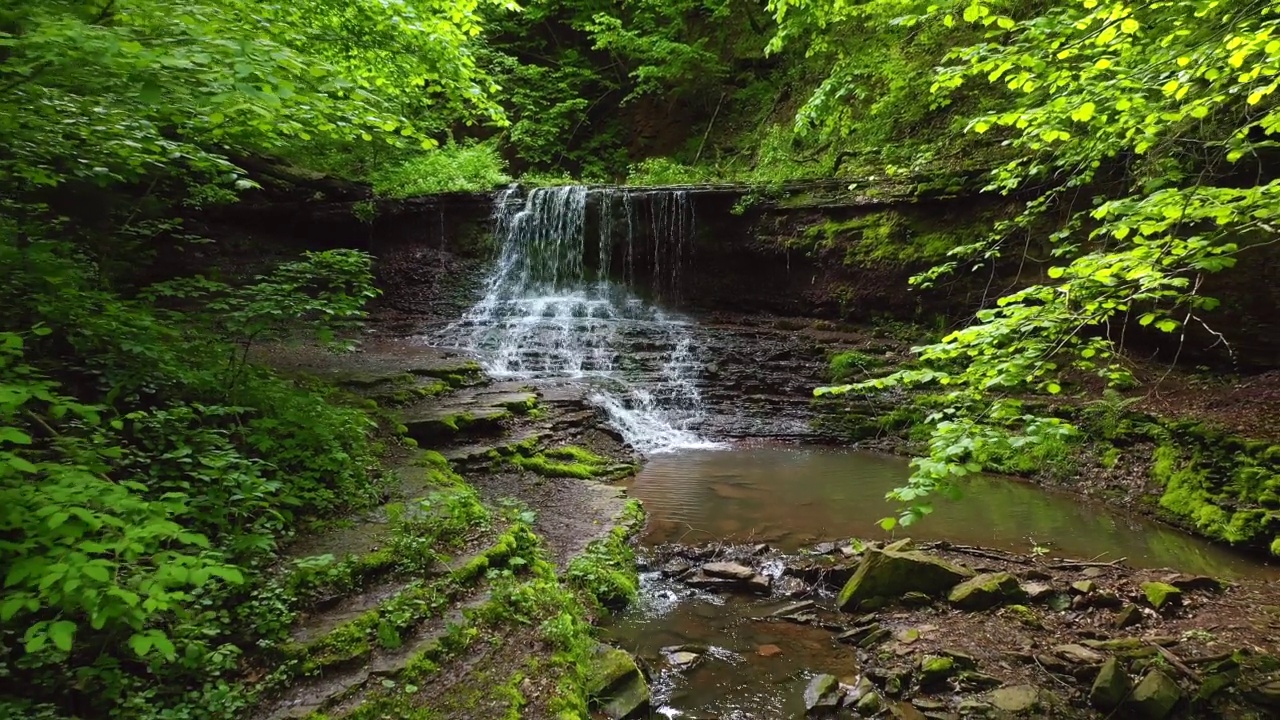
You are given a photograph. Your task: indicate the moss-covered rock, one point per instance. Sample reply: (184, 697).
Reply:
(1154, 698)
(889, 574)
(615, 684)
(985, 591)
(1111, 686)
(1161, 595)
(935, 668)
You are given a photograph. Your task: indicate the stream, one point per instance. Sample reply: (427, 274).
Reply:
(553, 312)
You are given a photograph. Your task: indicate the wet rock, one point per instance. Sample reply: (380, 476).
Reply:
(1161, 595)
(892, 680)
(615, 684)
(768, 651)
(683, 660)
(676, 568)
(821, 570)
(729, 571)
(1036, 574)
(889, 574)
(792, 587)
(1154, 698)
(794, 609)
(875, 638)
(984, 591)
(1021, 699)
(825, 548)
(1111, 686)
(935, 669)
(905, 711)
(822, 696)
(758, 584)
(1078, 654)
(760, 549)
(860, 690)
(1037, 591)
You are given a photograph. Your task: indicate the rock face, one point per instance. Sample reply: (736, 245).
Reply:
(985, 591)
(1154, 698)
(889, 574)
(615, 685)
(1111, 686)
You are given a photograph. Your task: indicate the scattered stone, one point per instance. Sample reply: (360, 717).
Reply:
(1017, 699)
(906, 711)
(1120, 645)
(1059, 602)
(1083, 587)
(1161, 595)
(1215, 684)
(792, 587)
(1024, 615)
(1111, 686)
(858, 691)
(1037, 591)
(974, 680)
(935, 669)
(916, 599)
(1092, 572)
(1105, 599)
(1078, 654)
(768, 651)
(984, 591)
(1036, 574)
(908, 636)
(683, 660)
(869, 704)
(1201, 583)
(1154, 697)
(729, 571)
(858, 634)
(875, 638)
(1265, 693)
(973, 708)
(793, 608)
(885, 573)
(676, 568)
(962, 660)
(615, 684)
(822, 696)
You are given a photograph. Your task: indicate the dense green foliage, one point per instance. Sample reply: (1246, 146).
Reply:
(1161, 114)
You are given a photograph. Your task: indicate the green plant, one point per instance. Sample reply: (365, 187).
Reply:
(450, 168)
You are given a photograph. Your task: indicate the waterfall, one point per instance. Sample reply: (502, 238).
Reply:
(546, 316)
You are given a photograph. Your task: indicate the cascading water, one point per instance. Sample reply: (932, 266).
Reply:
(546, 315)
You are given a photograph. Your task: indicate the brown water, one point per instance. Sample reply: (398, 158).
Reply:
(791, 496)
(795, 496)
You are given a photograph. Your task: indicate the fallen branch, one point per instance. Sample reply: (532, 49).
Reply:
(1076, 565)
(979, 552)
(1178, 664)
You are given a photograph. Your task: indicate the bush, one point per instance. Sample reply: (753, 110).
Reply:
(451, 168)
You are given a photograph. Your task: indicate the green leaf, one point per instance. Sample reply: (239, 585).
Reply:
(62, 633)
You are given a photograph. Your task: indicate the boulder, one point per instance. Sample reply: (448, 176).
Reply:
(683, 659)
(615, 684)
(985, 591)
(869, 704)
(1161, 595)
(822, 696)
(890, 574)
(1037, 591)
(1154, 698)
(1111, 687)
(1084, 587)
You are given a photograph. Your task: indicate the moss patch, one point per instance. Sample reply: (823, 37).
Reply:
(567, 462)
(606, 571)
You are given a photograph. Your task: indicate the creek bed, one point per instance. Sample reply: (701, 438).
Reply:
(792, 497)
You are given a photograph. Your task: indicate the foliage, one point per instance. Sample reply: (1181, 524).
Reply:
(451, 168)
(1163, 101)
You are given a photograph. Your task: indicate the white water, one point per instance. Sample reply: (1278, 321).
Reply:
(545, 315)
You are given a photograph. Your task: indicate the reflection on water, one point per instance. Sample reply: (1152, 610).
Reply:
(793, 496)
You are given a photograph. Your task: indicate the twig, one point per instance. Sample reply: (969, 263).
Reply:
(1076, 565)
(1177, 663)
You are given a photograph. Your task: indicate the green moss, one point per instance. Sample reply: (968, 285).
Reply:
(606, 571)
(890, 236)
(566, 462)
(851, 364)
